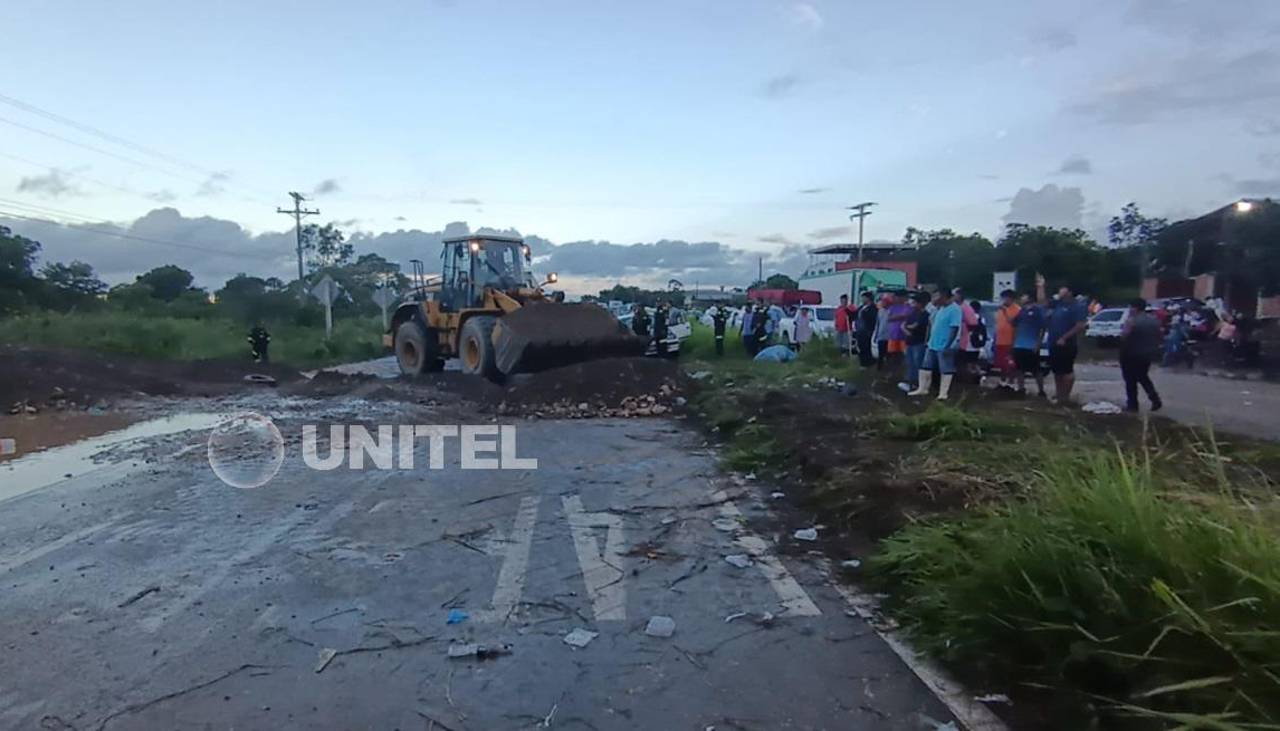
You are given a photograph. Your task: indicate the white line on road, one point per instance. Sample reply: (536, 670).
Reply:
(601, 570)
(515, 565)
(971, 714)
(794, 599)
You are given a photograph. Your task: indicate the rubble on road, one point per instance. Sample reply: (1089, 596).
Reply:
(580, 638)
(660, 626)
(460, 650)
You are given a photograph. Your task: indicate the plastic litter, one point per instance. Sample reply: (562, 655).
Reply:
(993, 698)
(700, 375)
(326, 656)
(777, 495)
(456, 616)
(852, 563)
(807, 534)
(735, 615)
(1101, 407)
(660, 626)
(776, 354)
(580, 637)
(739, 560)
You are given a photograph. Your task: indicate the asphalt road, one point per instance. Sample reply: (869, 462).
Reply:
(148, 594)
(1245, 407)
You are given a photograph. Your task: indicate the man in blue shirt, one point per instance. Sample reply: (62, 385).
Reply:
(1028, 333)
(1065, 320)
(943, 341)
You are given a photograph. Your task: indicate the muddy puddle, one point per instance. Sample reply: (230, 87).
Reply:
(51, 466)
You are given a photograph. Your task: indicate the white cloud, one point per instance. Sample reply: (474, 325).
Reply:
(53, 184)
(1048, 206)
(806, 16)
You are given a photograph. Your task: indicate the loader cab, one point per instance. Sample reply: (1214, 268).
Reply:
(469, 264)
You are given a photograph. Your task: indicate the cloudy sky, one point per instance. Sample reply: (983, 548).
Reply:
(647, 140)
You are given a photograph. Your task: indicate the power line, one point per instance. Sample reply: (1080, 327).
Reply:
(80, 176)
(99, 150)
(107, 136)
(131, 237)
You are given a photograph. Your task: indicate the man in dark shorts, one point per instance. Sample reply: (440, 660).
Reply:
(1028, 333)
(1065, 320)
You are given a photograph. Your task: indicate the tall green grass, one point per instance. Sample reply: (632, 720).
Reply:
(193, 339)
(1155, 597)
(944, 422)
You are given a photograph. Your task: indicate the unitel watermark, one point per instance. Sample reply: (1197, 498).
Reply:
(247, 450)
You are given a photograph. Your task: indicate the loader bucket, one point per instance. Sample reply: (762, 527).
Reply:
(542, 335)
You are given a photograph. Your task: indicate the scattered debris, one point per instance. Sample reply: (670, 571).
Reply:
(668, 520)
(580, 637)
(852, 563)
(700, 375)
(326, 656)
(806, 534)
(993, 698)
(765, 619)
(735, 615)
(728, 525)
(1101, 407)
(738, 560)
(479, 652)
(777, 495)
(260, 378)
(749, 476)
(137, 596)
(456, 616)
(660, 626)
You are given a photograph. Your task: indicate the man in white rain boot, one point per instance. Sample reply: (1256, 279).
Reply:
(944, 335)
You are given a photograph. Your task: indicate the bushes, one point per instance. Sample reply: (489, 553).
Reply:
(182, 338)
(1113, 580)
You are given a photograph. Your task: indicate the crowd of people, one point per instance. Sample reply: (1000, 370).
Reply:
(931, 340)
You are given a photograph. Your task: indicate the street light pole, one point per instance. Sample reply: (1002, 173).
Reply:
(861, 215)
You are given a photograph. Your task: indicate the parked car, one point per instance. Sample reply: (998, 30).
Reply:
(678, 329)
(1105, 326)
(733, 324)
(822, 320)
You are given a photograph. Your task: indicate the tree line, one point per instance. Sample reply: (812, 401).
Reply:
(170, 290)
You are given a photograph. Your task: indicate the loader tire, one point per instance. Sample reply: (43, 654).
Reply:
(417, 349)
(475, 348)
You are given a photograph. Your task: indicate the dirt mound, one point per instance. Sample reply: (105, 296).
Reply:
(63, 376)
(605, 387)
(547, 335)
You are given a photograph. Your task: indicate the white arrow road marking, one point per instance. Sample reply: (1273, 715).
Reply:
(794, 599)
(515, 565)
(601, 571)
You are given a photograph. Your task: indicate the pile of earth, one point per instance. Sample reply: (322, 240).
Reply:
(596, 388)
(43, 377)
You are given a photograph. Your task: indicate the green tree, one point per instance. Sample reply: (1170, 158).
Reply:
(168, 282)
(133, 297)
(1064, 256)
(18, 283)
(325, 246)
(1137, 234)
(780, 281)
(71, 285)
(956, 260)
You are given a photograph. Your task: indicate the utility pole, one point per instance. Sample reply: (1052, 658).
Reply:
(760, 263)
(861, 214)
(298, 212)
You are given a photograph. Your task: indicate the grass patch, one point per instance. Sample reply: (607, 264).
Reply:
(1112, 579)
(944, 422)
(179, 338)
(753, 448)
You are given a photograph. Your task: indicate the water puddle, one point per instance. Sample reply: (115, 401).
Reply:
(41, 469)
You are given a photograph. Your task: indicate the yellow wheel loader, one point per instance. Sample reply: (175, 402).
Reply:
(485, 309)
